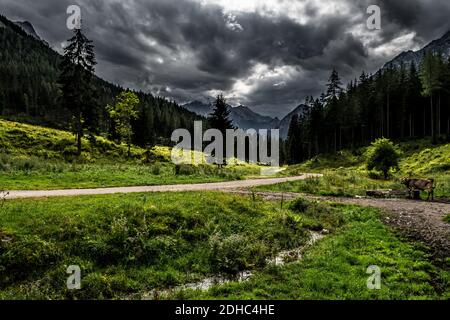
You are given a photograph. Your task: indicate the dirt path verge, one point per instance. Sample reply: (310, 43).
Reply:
(417, 220)
(215, 186)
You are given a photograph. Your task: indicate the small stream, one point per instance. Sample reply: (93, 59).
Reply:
(281, 258)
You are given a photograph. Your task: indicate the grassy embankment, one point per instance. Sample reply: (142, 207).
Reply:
(128, 245)
(345, 173)
(33, 157)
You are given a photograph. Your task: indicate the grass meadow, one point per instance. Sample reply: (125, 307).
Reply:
(129, 245)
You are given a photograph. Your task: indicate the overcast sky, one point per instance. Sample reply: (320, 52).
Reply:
(266, 54)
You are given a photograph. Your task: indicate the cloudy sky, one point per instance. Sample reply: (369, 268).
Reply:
(266, 54)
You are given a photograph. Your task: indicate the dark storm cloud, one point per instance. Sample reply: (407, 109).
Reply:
(185, 49)
(427, 18)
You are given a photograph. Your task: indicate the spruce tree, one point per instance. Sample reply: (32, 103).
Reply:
(77, 70)
(220, 117)
(334, 86)
(431, 82)
(294, 141)
(333, 118)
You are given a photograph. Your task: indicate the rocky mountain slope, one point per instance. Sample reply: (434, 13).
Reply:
(441, 46)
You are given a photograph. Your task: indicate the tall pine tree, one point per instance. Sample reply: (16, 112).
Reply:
(220, 117)
(77, 70)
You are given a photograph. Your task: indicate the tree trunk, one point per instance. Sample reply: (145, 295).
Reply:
(353, 137)
(78, 144)
(387, 117)
(410, 125)
(439, 116)
(424, 123)
(79, 134)
(316, 144)
(335, 141)
(433, 134)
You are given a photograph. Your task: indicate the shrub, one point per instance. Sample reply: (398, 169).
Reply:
(27, 255)
(236, 253)
(185, 169)
(156, 169)
(27, 164)
(299, 205)
(383, 156)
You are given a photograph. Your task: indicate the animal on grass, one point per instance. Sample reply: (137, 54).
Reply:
(419, 184)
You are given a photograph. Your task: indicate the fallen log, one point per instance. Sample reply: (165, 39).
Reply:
(386, 193)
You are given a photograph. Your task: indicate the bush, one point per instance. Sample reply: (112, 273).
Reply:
(185, 170)
(28, 255)
(236, 253)
(299, 205)
(156, 169)
(383, 156)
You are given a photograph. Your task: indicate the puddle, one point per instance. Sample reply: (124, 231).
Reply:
(282, 258)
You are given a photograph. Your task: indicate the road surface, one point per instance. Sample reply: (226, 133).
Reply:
(215, 186)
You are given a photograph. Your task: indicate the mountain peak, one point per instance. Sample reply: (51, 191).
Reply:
(441, 46)
(28, 28)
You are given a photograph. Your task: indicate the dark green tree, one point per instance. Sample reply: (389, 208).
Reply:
(431, 82)
(294, 143)
(220, 117)
(383, 156)
(77, 70)
(333, 110)
(122, 113)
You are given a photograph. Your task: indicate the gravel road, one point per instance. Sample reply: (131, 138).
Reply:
(221, 186)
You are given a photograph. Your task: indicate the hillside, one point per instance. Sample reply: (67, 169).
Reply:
(29, 91)
(28, 28)
(301, 111)
(438, 46)
(345, 172)
(35, 157)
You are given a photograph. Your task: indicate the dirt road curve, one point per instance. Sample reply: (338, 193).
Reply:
(223, 186)
(418, 220)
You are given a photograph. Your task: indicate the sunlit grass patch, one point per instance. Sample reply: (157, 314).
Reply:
(335, 268)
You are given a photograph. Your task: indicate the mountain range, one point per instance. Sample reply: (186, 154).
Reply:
(28, 28)
(243, 117)
(439, 46)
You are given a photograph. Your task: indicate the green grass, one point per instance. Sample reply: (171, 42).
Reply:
(447, 218)
(336, 268)
(345, 173)
(33, 157)
(128, 245)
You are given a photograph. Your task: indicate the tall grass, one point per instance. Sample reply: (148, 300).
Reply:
(134, 243)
